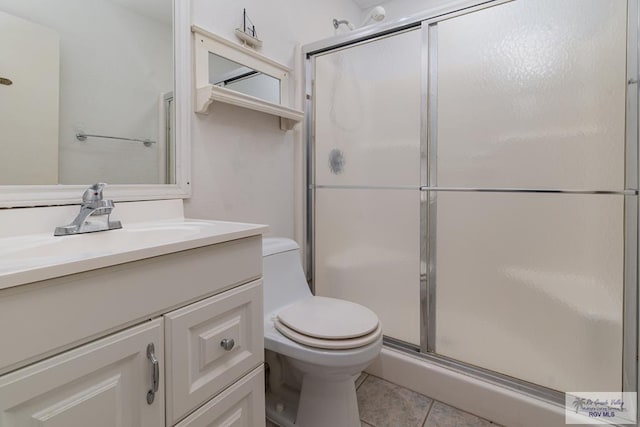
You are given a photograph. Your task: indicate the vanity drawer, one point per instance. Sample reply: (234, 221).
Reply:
(241, 405)
(198, 365)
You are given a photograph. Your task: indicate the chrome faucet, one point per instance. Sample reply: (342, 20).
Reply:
(93, 216)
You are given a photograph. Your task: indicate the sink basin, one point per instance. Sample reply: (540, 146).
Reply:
(36, 257)
(42, 249)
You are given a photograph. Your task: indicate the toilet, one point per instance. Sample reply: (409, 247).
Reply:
(315, 347)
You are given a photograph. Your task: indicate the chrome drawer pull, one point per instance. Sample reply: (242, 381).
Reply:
(227, 344)
(155, 373)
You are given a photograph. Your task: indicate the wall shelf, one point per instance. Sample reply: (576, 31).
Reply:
(207, 43)
(206, 95)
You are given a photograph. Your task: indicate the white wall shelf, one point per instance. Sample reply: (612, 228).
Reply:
(207, 94)
(205, 43)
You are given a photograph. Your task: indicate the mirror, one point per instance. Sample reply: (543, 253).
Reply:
(229, 74)
(87, 95)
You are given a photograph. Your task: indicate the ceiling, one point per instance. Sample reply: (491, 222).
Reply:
(365, 4)
(154, 9)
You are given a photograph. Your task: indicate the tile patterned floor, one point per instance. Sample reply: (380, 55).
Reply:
(383, 404)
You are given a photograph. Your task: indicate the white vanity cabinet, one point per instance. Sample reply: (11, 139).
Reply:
(74, 350)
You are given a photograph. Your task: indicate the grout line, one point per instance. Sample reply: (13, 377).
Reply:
(367, 423)
(433, 401)
(366, 376)
(390, 382)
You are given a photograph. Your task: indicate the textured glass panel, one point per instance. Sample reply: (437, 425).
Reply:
(532, 94)
(531, 286)
(367, 250)
(367, 113)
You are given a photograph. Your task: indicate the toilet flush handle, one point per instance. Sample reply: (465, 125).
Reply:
(227, 344)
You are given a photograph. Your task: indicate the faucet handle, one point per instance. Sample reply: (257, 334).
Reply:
(93, 193)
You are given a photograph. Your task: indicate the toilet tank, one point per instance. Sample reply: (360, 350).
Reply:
(283, 277)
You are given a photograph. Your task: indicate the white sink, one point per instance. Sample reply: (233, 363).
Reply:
(37, 249)
(36, 257)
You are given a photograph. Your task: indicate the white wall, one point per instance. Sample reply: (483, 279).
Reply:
(401, 8)
(242, 163)
(397, 9)
(114, 64)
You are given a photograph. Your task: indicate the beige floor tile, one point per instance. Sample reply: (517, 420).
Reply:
(383, 404)
(442, 415)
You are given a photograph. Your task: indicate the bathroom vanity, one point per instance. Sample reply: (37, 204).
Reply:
(157, 324)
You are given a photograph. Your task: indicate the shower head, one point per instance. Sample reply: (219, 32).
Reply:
(376, 14)
(337, 23)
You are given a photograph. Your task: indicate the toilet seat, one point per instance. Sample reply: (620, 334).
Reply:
(328, 323)
(340, 344)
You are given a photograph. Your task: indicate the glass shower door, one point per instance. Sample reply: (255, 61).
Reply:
(527, 191)
(367, 102)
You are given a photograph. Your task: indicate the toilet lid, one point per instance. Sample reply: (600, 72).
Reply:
(329, 318)
(343, 344)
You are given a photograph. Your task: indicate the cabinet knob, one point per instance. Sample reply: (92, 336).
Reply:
(227, 344)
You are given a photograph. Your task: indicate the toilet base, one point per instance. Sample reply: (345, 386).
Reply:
(328, 402)
(320, 403)
(327, 395)
(282, 408)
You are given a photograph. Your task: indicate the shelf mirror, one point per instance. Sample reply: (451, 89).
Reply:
(229, 74)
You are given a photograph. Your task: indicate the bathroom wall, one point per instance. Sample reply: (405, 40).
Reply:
(35, 94)
(244, 168)
(397, 9)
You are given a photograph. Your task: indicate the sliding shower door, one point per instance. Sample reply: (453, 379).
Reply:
(474, 182)
(367, 178)
(527, 274)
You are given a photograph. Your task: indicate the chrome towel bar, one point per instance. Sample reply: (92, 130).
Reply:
(81, 136)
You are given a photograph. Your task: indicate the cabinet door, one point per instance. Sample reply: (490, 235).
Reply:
(241, 405)
(101, 384)
(199, 365)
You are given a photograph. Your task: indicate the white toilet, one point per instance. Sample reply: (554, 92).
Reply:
(315, 346)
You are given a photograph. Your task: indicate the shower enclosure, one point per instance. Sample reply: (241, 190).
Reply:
(473, 180)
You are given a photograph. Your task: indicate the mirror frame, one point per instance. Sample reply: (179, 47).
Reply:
(47, 195)
(205, 42)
